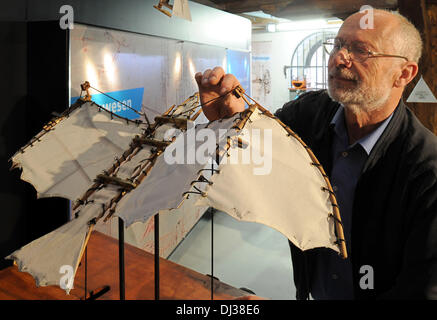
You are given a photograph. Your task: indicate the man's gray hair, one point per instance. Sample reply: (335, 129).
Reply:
(407, 38)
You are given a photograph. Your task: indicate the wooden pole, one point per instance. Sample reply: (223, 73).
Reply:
(423, 14)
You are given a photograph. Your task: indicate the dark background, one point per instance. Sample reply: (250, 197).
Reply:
(34, 83)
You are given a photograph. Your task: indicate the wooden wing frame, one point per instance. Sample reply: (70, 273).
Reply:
(118, 182)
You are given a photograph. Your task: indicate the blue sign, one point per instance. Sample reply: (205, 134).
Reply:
(131, 97)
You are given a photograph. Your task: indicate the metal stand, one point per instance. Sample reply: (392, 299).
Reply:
(212, 252)
(121, 257)
(86, 271)
(212, 241)
(156, 256)
(94, 294)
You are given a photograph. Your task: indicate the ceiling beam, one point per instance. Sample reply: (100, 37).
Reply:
(295, 9)
(259, 20)
(251, 5)
(338, 8)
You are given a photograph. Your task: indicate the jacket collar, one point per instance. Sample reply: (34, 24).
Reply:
(387, 137)
(323, 145)
(367, 142)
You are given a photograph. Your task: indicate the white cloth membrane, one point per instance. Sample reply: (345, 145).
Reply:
(68, 157)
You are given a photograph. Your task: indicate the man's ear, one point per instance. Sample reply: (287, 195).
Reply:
(408, 72)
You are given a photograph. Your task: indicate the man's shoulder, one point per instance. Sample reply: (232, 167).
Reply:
(420, 137)
(421, 145)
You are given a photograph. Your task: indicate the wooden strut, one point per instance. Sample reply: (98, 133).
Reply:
(196, 115)
(52, 123)
(86, 87)
(106, 179)
(166, 4)
(189, 111)
(336, 212)
(152, 142)
(169, 110)
(180, 123)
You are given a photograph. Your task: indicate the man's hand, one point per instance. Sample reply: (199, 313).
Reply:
(213, 84)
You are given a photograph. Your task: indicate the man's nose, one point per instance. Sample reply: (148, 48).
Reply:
(342, 57)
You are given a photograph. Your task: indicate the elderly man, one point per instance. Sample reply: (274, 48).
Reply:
(381, 161)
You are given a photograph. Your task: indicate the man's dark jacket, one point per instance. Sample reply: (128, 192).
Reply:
(394, 222)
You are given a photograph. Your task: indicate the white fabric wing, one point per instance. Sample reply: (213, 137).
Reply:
(67, 158)
(288, 198)
(44, 257)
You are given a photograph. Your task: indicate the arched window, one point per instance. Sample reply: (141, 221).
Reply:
(309, 61)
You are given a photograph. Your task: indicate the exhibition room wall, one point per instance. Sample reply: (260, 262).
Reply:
(273, 51)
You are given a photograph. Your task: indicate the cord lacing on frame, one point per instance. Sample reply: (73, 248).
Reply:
(198, 191)
(201, 179)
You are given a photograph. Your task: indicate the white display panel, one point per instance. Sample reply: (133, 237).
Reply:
(116, 61)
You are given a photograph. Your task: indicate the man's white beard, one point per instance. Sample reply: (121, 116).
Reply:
(360, 98)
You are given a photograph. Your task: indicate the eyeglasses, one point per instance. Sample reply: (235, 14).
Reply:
(356, 51)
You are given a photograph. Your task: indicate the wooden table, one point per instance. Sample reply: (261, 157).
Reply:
(176, 281)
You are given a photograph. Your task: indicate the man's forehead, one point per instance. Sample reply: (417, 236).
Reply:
(353, 30)
(349, 36)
